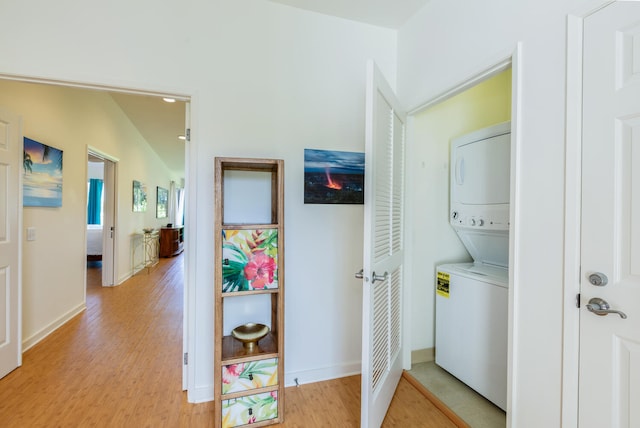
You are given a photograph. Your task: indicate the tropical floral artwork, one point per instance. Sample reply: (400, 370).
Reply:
(249, 260)
(249, 409)
(245, 376)
(42, 175)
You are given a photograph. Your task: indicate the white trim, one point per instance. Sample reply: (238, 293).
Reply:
(572, 222)
(322, 373)
(94, 86)
(190, 260)
(501, 65)
(51, 327)
(514, 232)
(571, 277)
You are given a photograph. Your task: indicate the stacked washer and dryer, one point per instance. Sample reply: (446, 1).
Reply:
(472, 298)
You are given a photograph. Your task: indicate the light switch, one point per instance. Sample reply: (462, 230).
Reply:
(31, 233)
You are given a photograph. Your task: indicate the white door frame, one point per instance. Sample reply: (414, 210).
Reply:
(572, 224)
(494, 66)
(190, 204)
(111, 185)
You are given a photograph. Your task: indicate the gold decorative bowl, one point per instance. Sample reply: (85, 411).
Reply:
(249, 334)
(147, 229)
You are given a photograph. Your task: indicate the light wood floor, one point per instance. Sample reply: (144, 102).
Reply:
(118, 364)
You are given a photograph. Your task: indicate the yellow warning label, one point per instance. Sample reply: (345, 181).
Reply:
(442, 286)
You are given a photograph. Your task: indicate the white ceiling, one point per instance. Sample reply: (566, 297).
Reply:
(160, 123)
(384, 13)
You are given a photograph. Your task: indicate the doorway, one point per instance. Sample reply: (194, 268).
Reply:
(101, 215)
(62, 117)
(483, 102)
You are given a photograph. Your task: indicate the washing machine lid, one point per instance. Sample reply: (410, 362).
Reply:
(486, 247)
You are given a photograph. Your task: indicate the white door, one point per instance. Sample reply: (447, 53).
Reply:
(10, 248)
(383, 249)
(609, 391)
(109, 226)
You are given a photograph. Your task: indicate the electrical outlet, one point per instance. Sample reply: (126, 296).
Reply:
(31, 233)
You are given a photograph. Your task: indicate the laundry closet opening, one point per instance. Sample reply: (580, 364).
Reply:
(435, 242)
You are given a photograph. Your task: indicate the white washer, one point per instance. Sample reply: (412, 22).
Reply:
(471, 326)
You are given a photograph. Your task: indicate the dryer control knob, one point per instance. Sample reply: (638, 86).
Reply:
(480, 222)
(472, 222)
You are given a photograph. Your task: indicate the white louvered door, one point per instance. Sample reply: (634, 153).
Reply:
(383, 249)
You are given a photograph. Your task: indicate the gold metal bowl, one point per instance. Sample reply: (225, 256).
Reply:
(249, 334)
(147, 229)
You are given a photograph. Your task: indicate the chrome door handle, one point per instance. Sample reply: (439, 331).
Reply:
(375, 277)
(360, 274)
(600, 307)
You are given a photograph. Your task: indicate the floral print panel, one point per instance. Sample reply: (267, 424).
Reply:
(249, 409)
(246, 376)
(249, 259)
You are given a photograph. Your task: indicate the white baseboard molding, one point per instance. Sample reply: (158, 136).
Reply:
(423, 355)
(322, 373)
(203, 394)
(53, 326)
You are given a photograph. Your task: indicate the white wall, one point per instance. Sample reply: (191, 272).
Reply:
(448, 42)
(54, 264)
(266, 80)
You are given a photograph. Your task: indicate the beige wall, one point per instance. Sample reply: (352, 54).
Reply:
(54, 264)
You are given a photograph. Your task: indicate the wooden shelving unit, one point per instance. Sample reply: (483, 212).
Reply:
(249, 264)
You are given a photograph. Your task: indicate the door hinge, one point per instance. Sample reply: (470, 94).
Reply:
(578, 300)
(188, 134)
(186, 358)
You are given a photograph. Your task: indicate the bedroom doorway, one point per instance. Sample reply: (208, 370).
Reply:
(101, 218)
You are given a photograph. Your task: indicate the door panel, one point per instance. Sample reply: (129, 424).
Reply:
(610, 241)
(10, 217)
(383, 249)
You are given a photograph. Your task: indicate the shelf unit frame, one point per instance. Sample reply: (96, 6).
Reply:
(227, 350)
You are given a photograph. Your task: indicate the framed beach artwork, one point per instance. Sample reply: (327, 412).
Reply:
(42, 175)
(162, 198)
(139, 197)
(333, 177)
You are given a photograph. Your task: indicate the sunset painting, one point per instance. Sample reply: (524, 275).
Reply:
(333, 177)
(41, 175)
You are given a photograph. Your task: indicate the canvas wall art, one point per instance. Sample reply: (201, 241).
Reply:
(42, 175)
(139, 197)
(162, 199)
(333, 177)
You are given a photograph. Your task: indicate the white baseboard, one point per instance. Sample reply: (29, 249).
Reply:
(53, 326)
(423, 355)
(322, 374)
(203, 394)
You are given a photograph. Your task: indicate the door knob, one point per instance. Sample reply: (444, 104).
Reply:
(376, 277)
(360, 274)
(600, 307)
(598, 279)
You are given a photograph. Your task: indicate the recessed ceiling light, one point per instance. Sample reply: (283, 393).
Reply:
(169, 100)
(181, 137)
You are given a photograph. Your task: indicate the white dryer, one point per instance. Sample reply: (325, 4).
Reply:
(472, 298)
